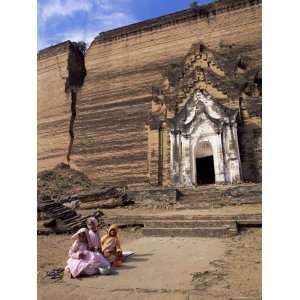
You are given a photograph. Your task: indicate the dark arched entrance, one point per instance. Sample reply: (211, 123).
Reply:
(205, 170)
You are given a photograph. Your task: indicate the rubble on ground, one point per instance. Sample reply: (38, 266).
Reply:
(63, 191)
(54, 217)
(244, 194)
(62, 181)
(98, 198)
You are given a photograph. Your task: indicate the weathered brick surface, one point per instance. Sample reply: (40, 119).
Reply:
(60, 73)
(111, 142)
(53, 106)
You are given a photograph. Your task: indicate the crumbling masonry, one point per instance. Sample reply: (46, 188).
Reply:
(175, 100)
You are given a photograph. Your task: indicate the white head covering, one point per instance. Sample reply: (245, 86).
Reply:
(92, 220)
(86, 232)
(81, 230)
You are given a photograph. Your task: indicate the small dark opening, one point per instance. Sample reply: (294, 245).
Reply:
(205, 170)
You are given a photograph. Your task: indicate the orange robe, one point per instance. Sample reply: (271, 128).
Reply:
(111, 247)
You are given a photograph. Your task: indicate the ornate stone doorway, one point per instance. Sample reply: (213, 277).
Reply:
(204, 128)
(194, 108)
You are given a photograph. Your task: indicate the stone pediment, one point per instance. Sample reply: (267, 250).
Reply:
(201, 108)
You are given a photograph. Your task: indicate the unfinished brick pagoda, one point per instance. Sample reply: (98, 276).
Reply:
(175, 100)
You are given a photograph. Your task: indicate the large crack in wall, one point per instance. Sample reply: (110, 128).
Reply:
(72, 121)
(75, 80)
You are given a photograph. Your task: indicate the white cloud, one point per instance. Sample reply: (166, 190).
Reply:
(79, 35)
(105, 4)
(111, 5)
(113, 20)
(57, 21)
(64, 8)
(103, 22)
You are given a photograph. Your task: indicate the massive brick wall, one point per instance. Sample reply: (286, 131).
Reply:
(111, 139)
(53, 106)
(60, 74)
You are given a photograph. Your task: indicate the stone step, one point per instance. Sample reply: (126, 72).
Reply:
(190, 224)
(201, 195)
(194, 203)
(202, 192)
(198, 198)
(178, 217)
(219, 186)
(200, 205)
(213, 196)
(190, 232)
(209, 193)
(254, 222)
(205, 188)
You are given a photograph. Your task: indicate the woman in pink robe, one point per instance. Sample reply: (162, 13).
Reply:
(95, 238)
(81, 260)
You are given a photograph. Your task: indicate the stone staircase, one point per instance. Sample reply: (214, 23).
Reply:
(214, 196)
(194, 214)
(200, 228)
(187, 225)
(54, 217)
(203, 197)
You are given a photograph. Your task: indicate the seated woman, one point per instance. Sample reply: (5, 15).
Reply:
(81, 260)
(94, 234)
(111, 247)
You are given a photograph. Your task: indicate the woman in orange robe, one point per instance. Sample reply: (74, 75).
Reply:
(111, 247)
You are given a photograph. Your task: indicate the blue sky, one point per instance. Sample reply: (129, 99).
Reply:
(82, 20)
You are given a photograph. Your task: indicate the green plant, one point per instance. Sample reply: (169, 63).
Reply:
(81, 45)
(194, 5)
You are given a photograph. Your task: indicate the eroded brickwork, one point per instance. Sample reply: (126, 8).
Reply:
(53, 106)
(114, 142)
(61, 73)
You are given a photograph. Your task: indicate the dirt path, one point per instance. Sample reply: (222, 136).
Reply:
(163, 268)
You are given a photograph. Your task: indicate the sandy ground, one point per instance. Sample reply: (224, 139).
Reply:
(163, 268)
